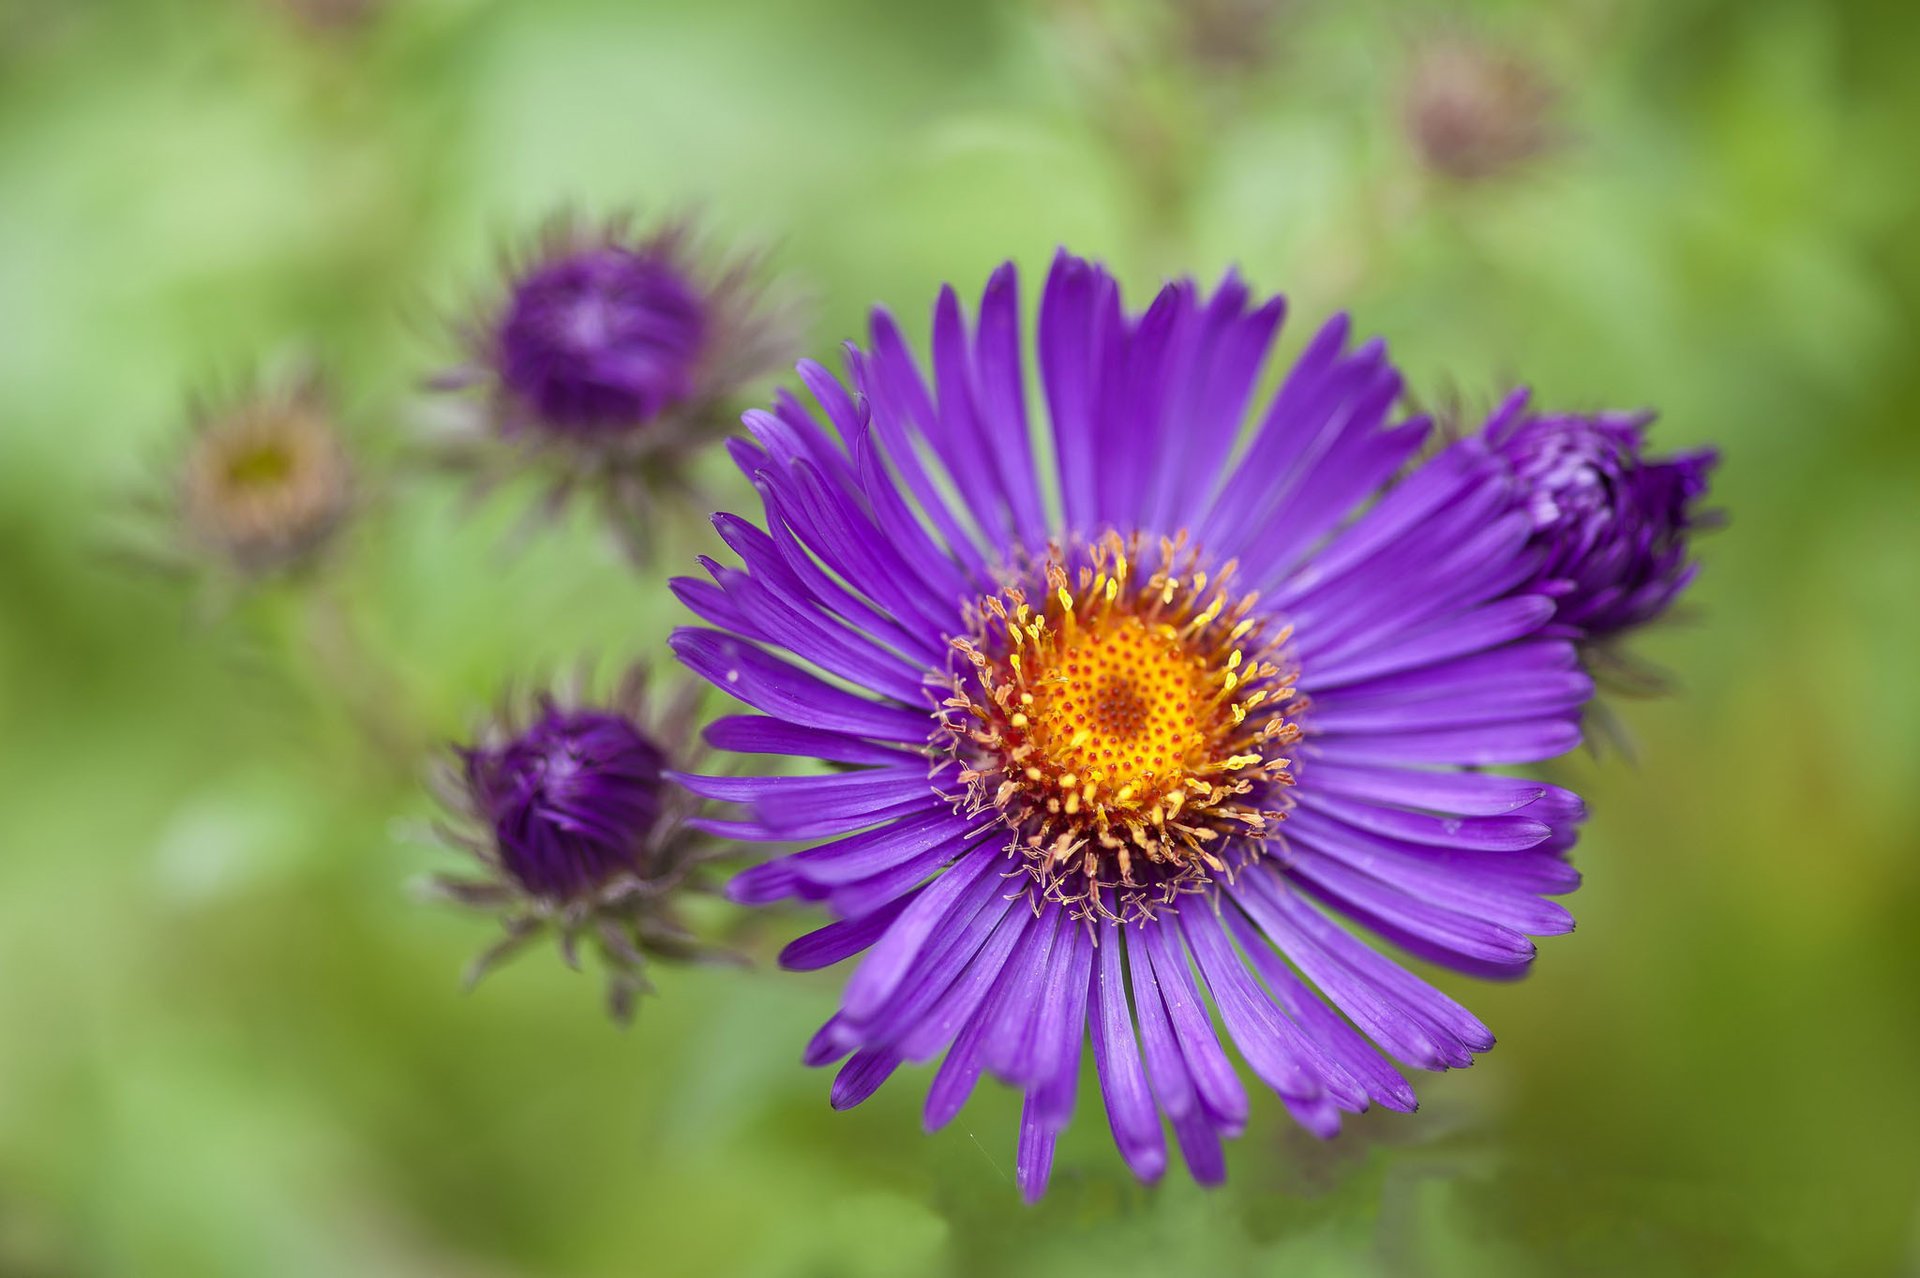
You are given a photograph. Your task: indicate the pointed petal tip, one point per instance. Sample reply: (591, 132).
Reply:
(881, 325)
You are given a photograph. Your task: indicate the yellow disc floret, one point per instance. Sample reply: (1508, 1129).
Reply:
(1124, 708)
(1128, 726)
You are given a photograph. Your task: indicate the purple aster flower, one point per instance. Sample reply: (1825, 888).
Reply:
(567, 806)
(607, 360)
(1124, 725)
(1614, 524)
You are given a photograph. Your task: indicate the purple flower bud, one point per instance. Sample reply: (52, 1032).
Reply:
(571, 800)
(579, 830)
(608, 358)
(1614, 524)
(602, 340)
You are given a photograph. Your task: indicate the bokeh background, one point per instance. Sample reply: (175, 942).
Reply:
(231, 1043)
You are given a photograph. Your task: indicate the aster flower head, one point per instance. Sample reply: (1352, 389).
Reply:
(1123, 725)
(1614, 524)
(1473, 111)
(565, 803)
(262, 488)
(609, 356)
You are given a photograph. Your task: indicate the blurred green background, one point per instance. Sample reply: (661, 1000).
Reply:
(232, 1044)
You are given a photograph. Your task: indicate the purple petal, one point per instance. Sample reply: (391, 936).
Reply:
(901, 406)
(1131, 1111)
(1319, 1115)
(816, 637)
(1074, 307)
(942, 974)
(1562, 695)
(888, 962)
(816, 806)
(1018, 1026)
(839, 941)
(939, 575)
(758, 734)
(1055, 1068)
(1480, 628)
(863, 895)
(1001, 401)
(1272, 1045)
(764, 884)
(1382, 906)
(860, 856)
(956, 432)
(770, 685)
(861, 1077)
(1167, 1070)
(1454, 886)
(1398, 1010)
(832, 523)
(955, 1007)
(826, 1046)
(1308, 417)
(1033, 1163)
(1467, 793)
(1487, 745)
(953, 1081)
(1212, 1073)
(1209, 401)
(1337, 1040)
(780, 565)
(1496, 834)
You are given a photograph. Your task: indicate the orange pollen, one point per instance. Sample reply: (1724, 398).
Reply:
(1129, 725)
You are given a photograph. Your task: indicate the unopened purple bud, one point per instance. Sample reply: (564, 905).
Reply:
(1614, 524)
(602, 341)
(571, 800)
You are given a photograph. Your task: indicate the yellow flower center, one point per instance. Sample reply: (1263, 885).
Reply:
(1124, 708)
(261, 464)
(1128, 726)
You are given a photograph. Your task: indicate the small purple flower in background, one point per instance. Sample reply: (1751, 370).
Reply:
(1473, 111)
(608, 360)
(1614, 525)
(567, 806)
(262, 489)
(600, 342)
(1146, 704)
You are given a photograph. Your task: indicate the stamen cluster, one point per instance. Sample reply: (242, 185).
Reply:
(1126, 726)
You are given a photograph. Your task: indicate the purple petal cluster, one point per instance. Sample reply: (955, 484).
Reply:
(571, 800)
(565, 802)
(606, 360)
(603, 338)
(916, 489)
(1613, 524)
